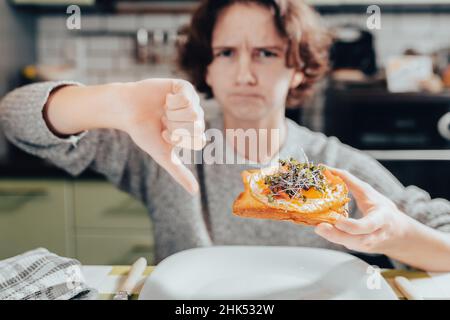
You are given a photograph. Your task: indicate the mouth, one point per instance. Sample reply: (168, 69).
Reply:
(246, 96)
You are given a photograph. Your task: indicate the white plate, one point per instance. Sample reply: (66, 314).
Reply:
(249, 272)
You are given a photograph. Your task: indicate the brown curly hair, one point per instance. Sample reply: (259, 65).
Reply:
(298, 23)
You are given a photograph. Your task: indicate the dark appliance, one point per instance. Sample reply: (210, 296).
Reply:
(408, 133)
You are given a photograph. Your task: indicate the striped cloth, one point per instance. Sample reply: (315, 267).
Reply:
(42, 275)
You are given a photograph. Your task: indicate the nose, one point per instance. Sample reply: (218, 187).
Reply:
(244, 74)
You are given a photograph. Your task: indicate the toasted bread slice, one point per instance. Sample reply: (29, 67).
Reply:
(249, 206)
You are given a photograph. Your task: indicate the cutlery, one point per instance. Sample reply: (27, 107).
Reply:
(407, 288)
(126, 288)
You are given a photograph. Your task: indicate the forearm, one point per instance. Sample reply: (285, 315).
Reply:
(423, 247)
(73, 109)
(21, 115)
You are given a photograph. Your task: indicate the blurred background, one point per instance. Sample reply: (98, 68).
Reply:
(388, 94)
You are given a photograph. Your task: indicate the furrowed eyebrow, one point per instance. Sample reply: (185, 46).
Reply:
(222, 48)
(273, 48)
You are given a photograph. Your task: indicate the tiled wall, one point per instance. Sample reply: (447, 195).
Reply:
(99, 52)
(16, 44)
(109, 57)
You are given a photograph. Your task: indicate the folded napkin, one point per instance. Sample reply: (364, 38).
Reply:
(42, 275)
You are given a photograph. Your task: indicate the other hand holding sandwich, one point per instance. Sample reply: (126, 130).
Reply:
(380, 227)
(385, 229)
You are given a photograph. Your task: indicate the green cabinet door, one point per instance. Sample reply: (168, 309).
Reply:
(111, 226)
(34, 213)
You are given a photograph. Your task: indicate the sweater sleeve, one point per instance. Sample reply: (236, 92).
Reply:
(412, 200)
(109, 152)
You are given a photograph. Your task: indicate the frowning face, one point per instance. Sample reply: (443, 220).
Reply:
(248, 75)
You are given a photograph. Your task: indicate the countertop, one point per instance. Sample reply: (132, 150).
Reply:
(19, 164)
(22, 165)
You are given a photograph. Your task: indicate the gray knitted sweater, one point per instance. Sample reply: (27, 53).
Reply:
(182, 221)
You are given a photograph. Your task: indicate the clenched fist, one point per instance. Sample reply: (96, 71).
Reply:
(163, 114)
(158, 114)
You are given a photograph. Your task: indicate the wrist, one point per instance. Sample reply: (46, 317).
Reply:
(111, 105)
(135, 101)
(422, 247)
(405, 231)
(73, 109)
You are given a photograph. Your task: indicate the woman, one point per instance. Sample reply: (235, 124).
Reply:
(253, 57)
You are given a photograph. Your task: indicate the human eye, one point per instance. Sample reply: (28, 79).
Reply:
(224, 53)
(265, 53)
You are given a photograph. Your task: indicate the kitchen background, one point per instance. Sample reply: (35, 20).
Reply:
(87, 218)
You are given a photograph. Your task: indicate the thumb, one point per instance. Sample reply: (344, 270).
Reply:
(172, 164)
(359, 188)
(365, 195)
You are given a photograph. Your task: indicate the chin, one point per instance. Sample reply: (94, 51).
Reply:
(247, 112)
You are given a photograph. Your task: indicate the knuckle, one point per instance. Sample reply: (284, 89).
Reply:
(185, 83)
(179, 84)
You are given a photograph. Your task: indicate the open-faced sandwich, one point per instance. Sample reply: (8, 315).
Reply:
(303, 193)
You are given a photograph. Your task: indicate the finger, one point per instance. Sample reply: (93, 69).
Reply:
(330, 233)
(184, 115)
(181, 174)
(181, 138)
(168, 137)
(176, 169)
(196, 128)
(177, 101)
(183, 95)
(371, 243)
(187, 141)
(182, 86)
(360, 189)
(366, 225)
(352, 242)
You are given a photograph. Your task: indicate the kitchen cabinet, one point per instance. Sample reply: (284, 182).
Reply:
(114, 247)
(99, 204)
(34, 213)
(89, 220)
(111, 226)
